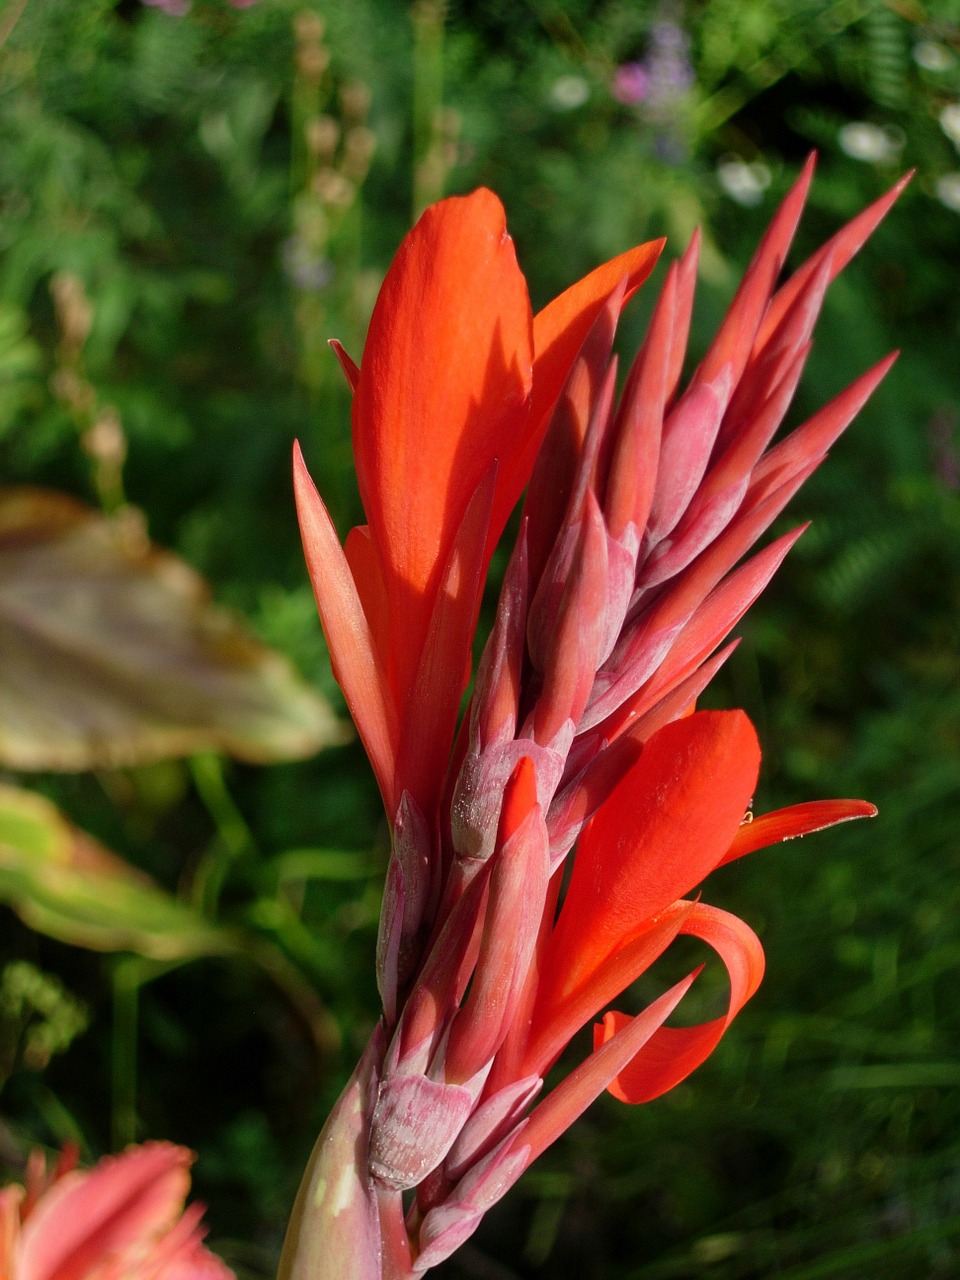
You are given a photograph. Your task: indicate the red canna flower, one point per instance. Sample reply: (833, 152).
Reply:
(122, 1220)
(580, 736)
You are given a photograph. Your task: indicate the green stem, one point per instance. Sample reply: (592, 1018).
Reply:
(322, 1027)
(126, 1010)
(130, 973)
(726, 102)
(234, 837)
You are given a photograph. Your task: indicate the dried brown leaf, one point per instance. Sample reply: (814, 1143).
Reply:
(112, 654)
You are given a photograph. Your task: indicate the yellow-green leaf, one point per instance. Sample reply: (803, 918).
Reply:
(64, 883)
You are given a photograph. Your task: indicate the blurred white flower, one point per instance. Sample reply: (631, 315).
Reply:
(569, 92)
(948, 191)
(933, 56)
(871, 143)
(742, 182)
(950, 122)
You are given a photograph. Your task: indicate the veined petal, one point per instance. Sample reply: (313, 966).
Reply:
(795, 821)
(443, 391)
(347, 629)
(663, 828)
(673, 1052)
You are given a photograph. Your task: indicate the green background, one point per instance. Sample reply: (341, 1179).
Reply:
(166, 162)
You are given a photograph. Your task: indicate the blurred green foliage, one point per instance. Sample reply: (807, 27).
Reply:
(229, 187)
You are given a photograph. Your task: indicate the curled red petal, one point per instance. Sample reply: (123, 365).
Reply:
(568, 1101)
(673, 1052)
(555, 1023)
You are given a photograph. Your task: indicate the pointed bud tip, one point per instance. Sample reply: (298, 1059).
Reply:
(519, 798)
(351, 370)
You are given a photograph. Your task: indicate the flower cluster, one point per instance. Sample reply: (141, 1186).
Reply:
(580, 740)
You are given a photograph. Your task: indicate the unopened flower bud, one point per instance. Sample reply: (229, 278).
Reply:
(447, 1226)
(416, 1122)
(405, 898)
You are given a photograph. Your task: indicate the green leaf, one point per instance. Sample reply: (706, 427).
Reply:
(64, 883)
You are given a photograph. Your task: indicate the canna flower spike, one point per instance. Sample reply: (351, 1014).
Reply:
(580, 739)
(122, 1220)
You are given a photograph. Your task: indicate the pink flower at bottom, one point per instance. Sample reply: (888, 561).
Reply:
(124, 1219)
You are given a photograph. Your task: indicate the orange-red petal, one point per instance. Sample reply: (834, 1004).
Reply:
(429, 719)
(793, 822)
(665, 825)
(352, 651)
(443, 391)
(673, 1052)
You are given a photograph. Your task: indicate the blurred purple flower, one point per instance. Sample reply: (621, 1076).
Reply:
(303, 267)
(668, 66)
(658, 85)
(630, 83)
